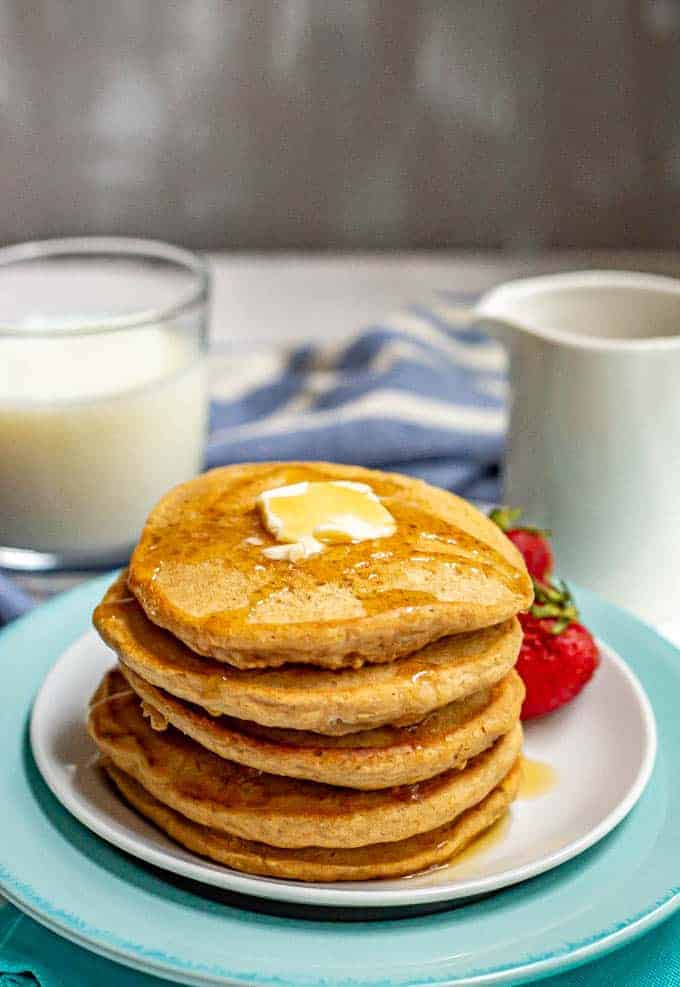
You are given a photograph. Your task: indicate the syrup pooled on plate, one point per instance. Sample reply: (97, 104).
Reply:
(484, 842)
(538, 778)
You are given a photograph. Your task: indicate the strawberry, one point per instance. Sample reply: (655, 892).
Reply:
(558, 654)
(532, 542)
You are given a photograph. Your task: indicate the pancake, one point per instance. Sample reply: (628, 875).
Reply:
(281, 811)
(382, 860)
(371, 759)
(199, 571)
(301, 697)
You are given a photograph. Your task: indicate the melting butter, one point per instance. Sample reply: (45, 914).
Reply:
(304, 517)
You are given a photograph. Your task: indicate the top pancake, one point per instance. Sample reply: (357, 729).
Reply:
(198, 573)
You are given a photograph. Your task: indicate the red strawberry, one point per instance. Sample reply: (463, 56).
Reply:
(558, 654)
(532, 542)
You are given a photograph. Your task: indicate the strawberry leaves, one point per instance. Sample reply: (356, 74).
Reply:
(554, 602)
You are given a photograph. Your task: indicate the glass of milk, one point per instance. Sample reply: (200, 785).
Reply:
(103, 404)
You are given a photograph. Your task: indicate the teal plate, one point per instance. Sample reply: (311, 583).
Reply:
(74, 883)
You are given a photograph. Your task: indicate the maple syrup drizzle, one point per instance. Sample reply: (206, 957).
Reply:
(476, 847)
(221, 524)
(537, 779)
(484, 842)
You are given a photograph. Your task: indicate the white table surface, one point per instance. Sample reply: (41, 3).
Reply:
(288, 297)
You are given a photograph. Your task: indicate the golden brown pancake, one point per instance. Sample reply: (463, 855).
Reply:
(302, 697)
(378, 758)
(383, 860)
(284, 812)
(199, 571)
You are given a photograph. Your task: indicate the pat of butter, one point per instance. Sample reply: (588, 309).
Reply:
(306, 516)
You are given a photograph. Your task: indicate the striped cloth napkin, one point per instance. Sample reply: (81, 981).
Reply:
(422, 392)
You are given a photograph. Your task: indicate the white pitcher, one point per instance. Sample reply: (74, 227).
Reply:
(594, 439)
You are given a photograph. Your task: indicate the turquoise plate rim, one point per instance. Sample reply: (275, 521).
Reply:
(55, 624)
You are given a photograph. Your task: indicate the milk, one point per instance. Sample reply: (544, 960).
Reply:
(93, 430)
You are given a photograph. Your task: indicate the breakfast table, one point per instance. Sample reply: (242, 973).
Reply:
(265, 302)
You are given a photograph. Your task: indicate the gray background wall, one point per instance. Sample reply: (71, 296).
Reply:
(344, 123)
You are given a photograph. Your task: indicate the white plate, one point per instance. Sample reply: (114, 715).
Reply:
(602, 748)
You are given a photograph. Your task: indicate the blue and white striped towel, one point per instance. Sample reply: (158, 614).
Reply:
(416, 393)
(421, 392)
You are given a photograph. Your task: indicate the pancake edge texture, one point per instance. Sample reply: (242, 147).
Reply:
(405, 761)
(308, 814)
(435, 848)
(300, 697)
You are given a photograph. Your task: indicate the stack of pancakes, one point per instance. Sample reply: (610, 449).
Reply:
(346, 716)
